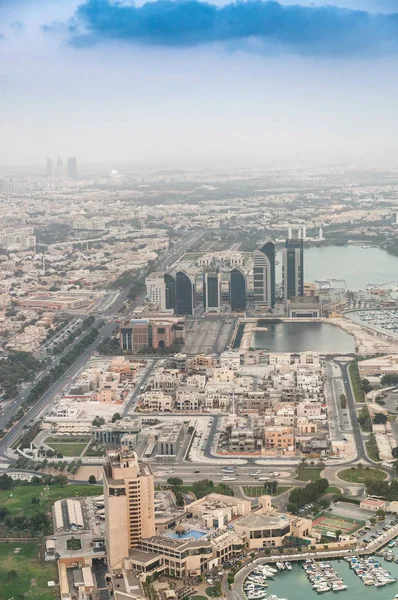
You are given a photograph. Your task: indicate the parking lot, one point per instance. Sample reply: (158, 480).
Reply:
(209, 335)
(367, 533)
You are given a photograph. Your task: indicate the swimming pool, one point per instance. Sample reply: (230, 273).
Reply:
(193, 533)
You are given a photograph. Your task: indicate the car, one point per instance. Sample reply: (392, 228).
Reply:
(197, 471)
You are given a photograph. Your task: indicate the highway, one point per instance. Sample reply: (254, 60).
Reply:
(105, 331)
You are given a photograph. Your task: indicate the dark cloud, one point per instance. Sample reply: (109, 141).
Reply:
(312, 30)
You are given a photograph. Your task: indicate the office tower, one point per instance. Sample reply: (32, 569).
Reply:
(264, 275)
(170, 291)
(185, 294)
(72, 168)
(211, 291)
(156, 289)
(293, 268)
(237, 290)
(49, 168)
(129, 505)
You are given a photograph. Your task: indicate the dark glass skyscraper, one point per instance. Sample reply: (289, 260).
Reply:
(264, 275)
(184, 294)
(293, 268)
(211, 291)
(170, 290)
(237, 290)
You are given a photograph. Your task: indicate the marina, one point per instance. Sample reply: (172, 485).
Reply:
(363, 578)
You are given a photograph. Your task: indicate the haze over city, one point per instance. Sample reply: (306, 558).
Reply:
(198, 299)
(174, 81)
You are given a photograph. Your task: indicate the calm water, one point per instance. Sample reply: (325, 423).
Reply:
(300, 337)
(358, 266)
(294, 585)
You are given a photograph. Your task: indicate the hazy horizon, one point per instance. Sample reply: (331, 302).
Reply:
(170, 82)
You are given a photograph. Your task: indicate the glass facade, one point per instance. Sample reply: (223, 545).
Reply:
(170, 291)
(264, 275)
(184, 298)
(293, 268)
(237, 290)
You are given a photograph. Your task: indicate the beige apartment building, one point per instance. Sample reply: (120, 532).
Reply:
(279, 438)
(129, 505)
(267, 528)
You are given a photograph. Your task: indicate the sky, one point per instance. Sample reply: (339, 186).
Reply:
(173, 81)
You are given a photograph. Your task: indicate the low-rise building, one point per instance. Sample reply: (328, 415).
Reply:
(156, 401)
(279, 438)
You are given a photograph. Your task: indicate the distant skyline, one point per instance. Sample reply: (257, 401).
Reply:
(191, 81)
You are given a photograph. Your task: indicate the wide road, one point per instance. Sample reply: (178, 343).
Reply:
(106, 330)
(352, 409)
(11, 407)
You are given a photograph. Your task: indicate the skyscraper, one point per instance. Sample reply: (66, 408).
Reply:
(129, 504)
(156, 289)
(211, 291)
(293, 268)
(264, 275)
(185, 294)
(237, 290)
(170, 291)
(49, 168)
(72, 167)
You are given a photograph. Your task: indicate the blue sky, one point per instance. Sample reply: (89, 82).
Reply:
(174, 81)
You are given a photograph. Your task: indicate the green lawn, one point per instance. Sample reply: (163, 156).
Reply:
(212, 592)
(68, 448)
(32, 575)
(359, 475)
(82, 439)
(92, 451)
(333, 490)
(310, 474)
(18, 500)
(254, 491)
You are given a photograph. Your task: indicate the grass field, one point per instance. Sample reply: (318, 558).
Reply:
(309, 474)
(254, 491)
(31, 577)
(359, 475)
(68, 448)
(91, 451)
(335, 523)
(18, 500)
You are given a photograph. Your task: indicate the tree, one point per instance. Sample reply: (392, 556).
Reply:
(12, 575)
(343, 401)
(379, 419)
(92, 479)
(394, 452)
(98, 421)
(116, 417)
(175, 481)
(381, 514)
(337, 534)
